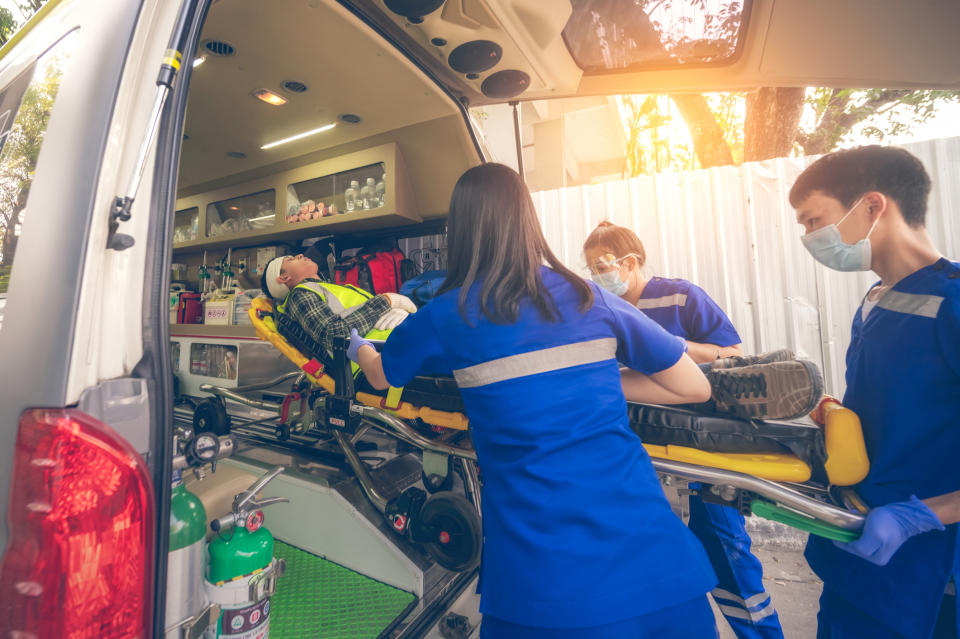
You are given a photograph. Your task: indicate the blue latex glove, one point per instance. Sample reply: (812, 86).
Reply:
(355, 343)
(887, 527)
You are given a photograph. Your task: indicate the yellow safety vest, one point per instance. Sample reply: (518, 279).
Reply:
(342, 300)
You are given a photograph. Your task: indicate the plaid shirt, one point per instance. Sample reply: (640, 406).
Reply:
(315, 317)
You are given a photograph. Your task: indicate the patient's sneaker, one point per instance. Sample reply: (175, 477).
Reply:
(775, 390)
(736, 361)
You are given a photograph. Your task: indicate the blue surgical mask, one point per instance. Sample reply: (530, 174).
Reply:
(827, 246)
(611, 281)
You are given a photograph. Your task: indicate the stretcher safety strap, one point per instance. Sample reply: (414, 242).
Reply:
(393, 397)
(537, 362)
(911, 303)
(677, 299)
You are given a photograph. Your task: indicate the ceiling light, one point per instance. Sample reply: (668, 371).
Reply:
(269, 97)
(325, 127)
(198, 61)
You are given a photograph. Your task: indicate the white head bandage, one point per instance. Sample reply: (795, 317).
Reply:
(277, 290)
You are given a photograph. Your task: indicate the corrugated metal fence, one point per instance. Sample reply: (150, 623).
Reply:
(731, 230)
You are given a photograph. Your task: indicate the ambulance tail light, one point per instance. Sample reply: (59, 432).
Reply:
(79, 562)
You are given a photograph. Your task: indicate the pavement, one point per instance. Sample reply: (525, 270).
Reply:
(795, 590)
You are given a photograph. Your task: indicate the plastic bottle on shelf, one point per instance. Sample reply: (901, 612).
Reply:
(373, 201)
(352, 195)
(381, 189)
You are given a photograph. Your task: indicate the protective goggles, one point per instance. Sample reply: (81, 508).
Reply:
(608, 262)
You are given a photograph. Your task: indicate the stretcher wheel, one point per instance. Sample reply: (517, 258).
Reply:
(457, 541)
(211, 416)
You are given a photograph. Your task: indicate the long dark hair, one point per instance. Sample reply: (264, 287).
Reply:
(493, 233)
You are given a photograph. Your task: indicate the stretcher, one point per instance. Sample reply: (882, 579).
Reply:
(798, 473)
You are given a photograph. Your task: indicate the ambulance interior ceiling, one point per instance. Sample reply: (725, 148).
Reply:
(541, 49)
(326, 63)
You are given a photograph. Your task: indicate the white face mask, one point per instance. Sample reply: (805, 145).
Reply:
(827, 246)
(611, 281)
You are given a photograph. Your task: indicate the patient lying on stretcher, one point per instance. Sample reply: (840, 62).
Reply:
(320, 311)
(716, 433)
(771, 386)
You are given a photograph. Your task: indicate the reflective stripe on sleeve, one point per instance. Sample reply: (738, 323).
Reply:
(753, 609)
(537, 362)
(677, 299)
(911, 303)
(749, 602)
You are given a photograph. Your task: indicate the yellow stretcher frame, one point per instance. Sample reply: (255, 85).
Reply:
(846, 465)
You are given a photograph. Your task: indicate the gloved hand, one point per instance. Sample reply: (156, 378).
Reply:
(887, 527)
(355, 343)
(402, 302)
(391, 319)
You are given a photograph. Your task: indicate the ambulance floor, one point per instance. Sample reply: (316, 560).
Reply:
(318, 598)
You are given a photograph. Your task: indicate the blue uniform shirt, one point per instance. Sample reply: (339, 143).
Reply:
(685, 310)
(577, 531)
(903, 381)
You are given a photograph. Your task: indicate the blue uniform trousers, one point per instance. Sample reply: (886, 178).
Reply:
(838, 619)
(690, 620)
(739, 594)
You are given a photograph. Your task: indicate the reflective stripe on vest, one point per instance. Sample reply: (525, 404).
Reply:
(677, 299)
(342, 300)
(911, 303)
(537, 362)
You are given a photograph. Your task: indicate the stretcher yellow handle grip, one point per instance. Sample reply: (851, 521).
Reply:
(847, 461)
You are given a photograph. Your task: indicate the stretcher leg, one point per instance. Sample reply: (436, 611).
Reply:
(739, 594)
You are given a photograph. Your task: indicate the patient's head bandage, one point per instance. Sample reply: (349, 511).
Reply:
(276, 290)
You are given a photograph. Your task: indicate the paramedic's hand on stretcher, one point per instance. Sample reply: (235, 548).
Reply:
(887, 527)
(391, 319)
(355, 343)
(401, 302)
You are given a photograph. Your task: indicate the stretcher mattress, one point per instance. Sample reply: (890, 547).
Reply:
(667, 426)
(711, 432)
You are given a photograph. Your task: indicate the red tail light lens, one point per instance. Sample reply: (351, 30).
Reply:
(80, 559)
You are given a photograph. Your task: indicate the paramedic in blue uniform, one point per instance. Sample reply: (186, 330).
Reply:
(579, 539)
(615, 257)
(864, 209)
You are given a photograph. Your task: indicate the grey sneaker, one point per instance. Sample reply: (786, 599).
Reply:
(736, 361)
(776, 390)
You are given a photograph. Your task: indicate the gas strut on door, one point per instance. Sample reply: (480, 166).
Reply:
(172, 59)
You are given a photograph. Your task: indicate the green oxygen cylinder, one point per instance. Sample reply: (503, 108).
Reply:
(185, 561)
(237, 562)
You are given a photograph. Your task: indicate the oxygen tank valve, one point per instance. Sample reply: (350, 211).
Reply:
(247, 507)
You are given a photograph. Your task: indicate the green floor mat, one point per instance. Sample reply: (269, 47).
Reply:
(317, 598)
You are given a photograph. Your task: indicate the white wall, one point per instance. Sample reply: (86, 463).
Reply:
(732, 231)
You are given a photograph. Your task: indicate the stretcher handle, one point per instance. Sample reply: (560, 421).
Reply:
(377, 343)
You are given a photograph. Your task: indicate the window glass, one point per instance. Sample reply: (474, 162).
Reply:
(254, 212)
(605, 35)
(25, 106)
(213, 360)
